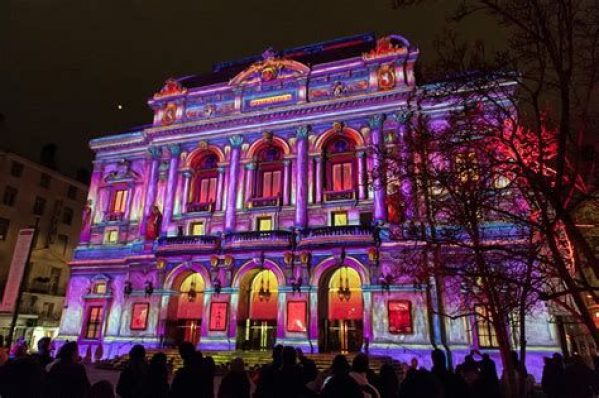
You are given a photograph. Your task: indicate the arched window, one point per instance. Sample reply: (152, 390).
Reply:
(268, 185)
(340, 158)
(202, 195)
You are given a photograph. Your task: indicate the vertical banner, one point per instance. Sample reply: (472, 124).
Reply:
(17, 269)
(219, 312)
(400, 317)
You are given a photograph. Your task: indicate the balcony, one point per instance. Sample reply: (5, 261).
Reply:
(200, 207)
(258, 239)
(188, 244)
(113, 216)
(344, 235)
(271, 201)
(336, 196)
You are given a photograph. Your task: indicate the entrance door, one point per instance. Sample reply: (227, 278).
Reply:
(260, 335)
(341, 312)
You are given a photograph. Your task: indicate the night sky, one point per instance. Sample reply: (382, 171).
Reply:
(67, 65)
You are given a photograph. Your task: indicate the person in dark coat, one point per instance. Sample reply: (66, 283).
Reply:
(22, 376)
(208, 371)
(236, 383)
(157, 380)
(339, 383)
(553, 376)
(453, 386)
(309, 369)
(67, 378)
(132, 380)
(388, 382)
(265, 382)
(43, 356)
(579, 380)
(101, 389)
(188, 381)
(288, 381)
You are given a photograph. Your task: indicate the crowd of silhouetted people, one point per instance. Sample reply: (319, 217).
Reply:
(289, 374)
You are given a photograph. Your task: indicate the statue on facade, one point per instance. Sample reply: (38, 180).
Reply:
(154, 223)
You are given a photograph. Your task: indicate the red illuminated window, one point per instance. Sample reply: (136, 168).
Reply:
(270, 171)
(93, 327)
(119, 198)
(139, 316)
(271, 183)
(400, 317)
(203, 187)
(207, 190)
(340, 159)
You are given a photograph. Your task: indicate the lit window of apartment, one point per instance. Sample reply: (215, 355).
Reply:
(119, 199)
(16, 169)
(339, 218)
(39, 206)
(45, 180)
(264, 223)
(4, 224)
(10, 196)
(197, 229)
(94, 323)
(487, 338)
(111, 236)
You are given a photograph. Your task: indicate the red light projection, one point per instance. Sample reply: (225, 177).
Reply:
(139, 316)
(219, 313)
(400, 317)
(296, 316)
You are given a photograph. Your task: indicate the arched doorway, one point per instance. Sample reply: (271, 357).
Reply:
(340, 311)
(185, 309)
(257, 311)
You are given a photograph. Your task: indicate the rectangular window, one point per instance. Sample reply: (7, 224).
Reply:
(45, 180)
(100, 288)
(94, 323)
(466, 165)
(39, 206)
(197, 229)
(264, 224)
(366, 219)
(484, 327)
(339, 218)
(67, 216)
(271, 183)
(400, 317)
(63, 242)
(10, 195)
(111, 236)
(208, 190)
(4, 224)
(72, 192)
(16, 169)
(342, 177)
(119, 200)
(139, 316)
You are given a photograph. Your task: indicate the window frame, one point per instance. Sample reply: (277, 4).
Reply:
(93, 324)
(67, 215)
(194, 224)
(264, 218)
(483, 322)
(339, 213)
(39, 206)
(10, 193)
(16, 169)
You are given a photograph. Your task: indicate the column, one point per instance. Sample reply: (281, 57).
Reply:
(406, 164)
(234, 171)
(361, 157)
(184, 200)
(286, 182)
(171, 185)
(130, 194)
(220, 186)
(150, 198)
(318, 179)
(380, 209)
(250, 170)
(301, 206)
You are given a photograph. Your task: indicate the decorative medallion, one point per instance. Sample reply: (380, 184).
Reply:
(339, 89)
(386, 77)
(385, 47)
(269, 72)
(202, 144)
(169, 114)
(338, 127)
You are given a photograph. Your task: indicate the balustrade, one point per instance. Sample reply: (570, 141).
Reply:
(249, 239)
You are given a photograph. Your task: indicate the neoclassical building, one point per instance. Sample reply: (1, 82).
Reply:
(247, 214)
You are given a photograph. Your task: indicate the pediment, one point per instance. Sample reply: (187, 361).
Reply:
(270, 69)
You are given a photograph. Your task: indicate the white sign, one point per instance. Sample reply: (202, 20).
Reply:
(17, 269)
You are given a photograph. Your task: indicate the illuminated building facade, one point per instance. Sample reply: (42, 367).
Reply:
(247, 214)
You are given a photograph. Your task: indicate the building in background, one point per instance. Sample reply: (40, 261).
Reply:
(247, 214)
(33, 195)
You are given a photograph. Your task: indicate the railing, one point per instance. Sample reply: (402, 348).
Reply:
(250, 239)
(346, 234)
(200, 207)
(265, 202)
(333, 196)
(114, 216)
(45, 288)
(188, 243)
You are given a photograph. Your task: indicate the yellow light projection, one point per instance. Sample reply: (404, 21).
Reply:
(264, 294)
(191, 299)
(345, 294)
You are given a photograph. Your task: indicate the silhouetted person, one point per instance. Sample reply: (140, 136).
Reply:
(132, 380)
(101, 389)
(288, 378)
(265, 383)
(339, 383)
(67, 378)
(157, 380)
(553, 376)
(208, 370)
(388, 381)
(236, 383)
(43, 356)
(359, 372)
(188, 380)
(487, 385)
(21, 376)
(421, 384)
(309, 369)
(579, 379)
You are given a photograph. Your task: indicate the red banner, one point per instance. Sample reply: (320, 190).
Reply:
(139, 316)
(219, 313)
(400, 317)
(17, 269)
